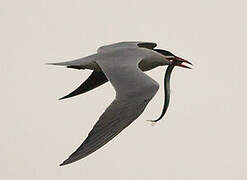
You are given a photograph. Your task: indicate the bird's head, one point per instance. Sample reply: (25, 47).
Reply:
(175, 60)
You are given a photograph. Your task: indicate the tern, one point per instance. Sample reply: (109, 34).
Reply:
(123, 65)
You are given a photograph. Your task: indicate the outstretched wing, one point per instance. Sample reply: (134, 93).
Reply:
(128, 44)
(97, 78)
(134, 90)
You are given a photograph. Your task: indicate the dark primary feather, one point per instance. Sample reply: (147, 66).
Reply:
(94, 80)
(147, 45)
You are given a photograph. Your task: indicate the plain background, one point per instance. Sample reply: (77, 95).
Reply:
(203, 135)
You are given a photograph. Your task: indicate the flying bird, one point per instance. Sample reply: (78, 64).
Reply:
(122, 64)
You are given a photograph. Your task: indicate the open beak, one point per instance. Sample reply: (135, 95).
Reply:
(177, 61)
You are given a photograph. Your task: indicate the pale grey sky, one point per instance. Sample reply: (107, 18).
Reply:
(203, 135)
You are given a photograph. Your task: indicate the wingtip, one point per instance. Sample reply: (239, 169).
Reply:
(62, 164)
(64, 97)
(61, 98)
(65, 162)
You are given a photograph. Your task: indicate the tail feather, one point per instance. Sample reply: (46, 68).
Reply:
(77, 63)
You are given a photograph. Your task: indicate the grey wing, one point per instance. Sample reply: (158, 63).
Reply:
(94, 80)
(115, 118)
(134, 90)
(128, 44)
